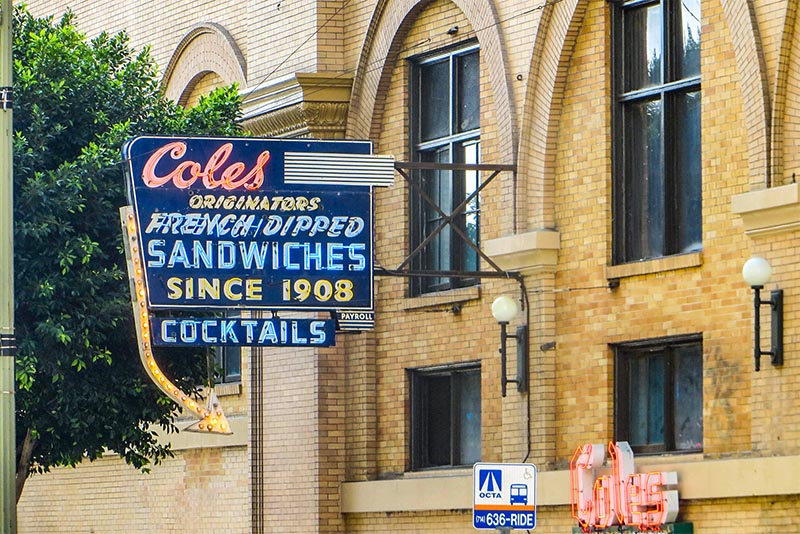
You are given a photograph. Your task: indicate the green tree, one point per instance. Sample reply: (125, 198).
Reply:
(81, 389)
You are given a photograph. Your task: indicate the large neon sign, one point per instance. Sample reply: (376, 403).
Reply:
(222, 227)
(247, 224)
(622, 497)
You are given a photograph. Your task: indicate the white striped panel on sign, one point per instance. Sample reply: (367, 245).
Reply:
(338, 169)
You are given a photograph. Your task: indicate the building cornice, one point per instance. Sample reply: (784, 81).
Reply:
(299, 105)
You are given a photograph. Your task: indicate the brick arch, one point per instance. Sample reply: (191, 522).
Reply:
(206, 48)
(554, 43)
(751, 64)
(384, 35)
(785, 122)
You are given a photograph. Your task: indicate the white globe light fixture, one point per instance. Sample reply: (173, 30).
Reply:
(504, 309)
(756, 273)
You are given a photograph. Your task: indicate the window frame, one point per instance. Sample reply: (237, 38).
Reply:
(624, 354)
(668, 92)
(457, 254)
(419, 385)
(222, 356)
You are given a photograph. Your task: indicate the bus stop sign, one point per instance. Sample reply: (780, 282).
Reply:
(504, 496)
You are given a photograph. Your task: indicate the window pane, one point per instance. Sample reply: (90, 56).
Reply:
(469, 417)
(469, 102)
(471, 218)
(228, 361)
(689, 46)
(643, 47)
(644, 184)
(434, 100)
(638, 402)
(439, 188)
(688, 172)
(647, 400)
(438, 185)
(689, 398)
(437, 423)
(656, 396)
(233, 363)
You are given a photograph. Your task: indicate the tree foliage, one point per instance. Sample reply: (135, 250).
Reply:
(81, 389)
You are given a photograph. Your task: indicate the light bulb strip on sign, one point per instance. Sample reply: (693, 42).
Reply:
(212, 418)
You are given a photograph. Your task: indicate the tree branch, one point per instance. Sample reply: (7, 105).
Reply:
(24, 465)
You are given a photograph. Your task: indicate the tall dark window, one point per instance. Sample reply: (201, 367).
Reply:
(445, 121)
(659, 395)
(657, 165)
(445, 416)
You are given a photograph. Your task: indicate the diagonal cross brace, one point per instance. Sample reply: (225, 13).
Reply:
(447, 220)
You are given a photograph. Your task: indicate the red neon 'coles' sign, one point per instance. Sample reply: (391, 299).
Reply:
(231, 176)
(623, 497)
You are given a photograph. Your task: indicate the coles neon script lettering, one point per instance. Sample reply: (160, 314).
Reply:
(231, 176)
(621, 497)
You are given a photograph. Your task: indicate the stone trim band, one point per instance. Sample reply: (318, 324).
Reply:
(8, 345)
(6, 98)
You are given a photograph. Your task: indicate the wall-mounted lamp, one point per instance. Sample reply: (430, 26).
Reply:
(504, 309)
(756, 273)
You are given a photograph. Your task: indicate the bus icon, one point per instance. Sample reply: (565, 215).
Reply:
(519, 494)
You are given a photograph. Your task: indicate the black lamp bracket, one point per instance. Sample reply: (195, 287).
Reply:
(775, 302)
(521, 379)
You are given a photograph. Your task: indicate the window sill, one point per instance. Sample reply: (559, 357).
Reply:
(228, 389)
(669, 263)
(669, 457)
(438, 472)
(443, 298)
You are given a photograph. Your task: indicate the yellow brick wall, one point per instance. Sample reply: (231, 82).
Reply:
(410, 336)
(278, 37)
(660, 304)
(345, 411)
(205, 491)
(742, 515)
(773, 514)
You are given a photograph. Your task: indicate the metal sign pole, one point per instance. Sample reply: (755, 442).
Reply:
(8, 494)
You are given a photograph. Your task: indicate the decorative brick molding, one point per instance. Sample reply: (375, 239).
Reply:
(785, 90)
(206, 48)
(386, 31)
(555, 39)
(751, 64)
